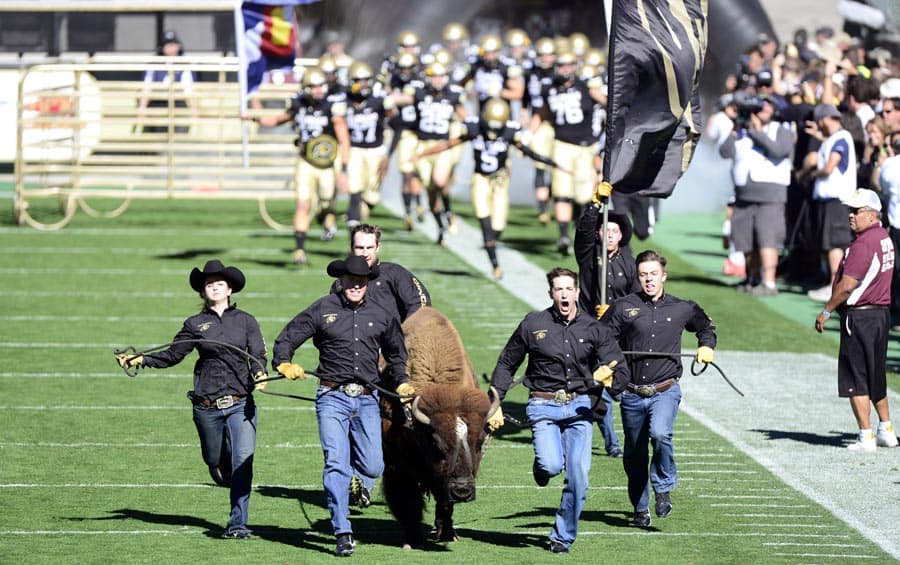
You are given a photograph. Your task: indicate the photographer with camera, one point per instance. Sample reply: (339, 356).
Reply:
(760, 146)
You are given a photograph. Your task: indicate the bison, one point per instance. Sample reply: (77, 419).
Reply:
(438, 449)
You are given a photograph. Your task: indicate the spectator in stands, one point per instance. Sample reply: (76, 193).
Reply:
(834, 175)
(889, 183)
(156, 79)
(761, 148)
(875, 152)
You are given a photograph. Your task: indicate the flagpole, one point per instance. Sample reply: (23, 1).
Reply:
(239, 39)
(607, 12)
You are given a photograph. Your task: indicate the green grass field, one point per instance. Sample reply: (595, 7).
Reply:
(98, 467)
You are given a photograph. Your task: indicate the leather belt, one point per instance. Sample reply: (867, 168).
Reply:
(350, 389)
(560, 396)
(221, 403)
(649, 390)
(868, 307)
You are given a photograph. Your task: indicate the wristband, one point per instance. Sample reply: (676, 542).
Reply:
(344, 168)
(825, 314)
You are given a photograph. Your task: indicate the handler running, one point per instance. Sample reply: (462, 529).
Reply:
(348, 331)
(224, 411)
(564, 347)
(651, 320)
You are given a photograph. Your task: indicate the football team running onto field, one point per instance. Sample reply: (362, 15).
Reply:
(549, 107)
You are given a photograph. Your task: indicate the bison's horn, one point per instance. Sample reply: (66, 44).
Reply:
(419, 415)
(495, 402)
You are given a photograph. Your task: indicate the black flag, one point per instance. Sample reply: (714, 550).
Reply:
(656, 51)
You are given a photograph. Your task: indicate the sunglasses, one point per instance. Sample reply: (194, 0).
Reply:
(856, 211)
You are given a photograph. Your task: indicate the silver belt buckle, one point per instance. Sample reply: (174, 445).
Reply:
(352, 390)
(561, 396)
(645, 390)
(224, 402)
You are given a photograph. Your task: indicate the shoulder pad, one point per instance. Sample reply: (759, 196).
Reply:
(339, 108)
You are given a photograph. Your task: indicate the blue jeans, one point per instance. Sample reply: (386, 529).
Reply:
(607, 428)
(350, 433)
(649, 421)
(562, 442)
(239, 423)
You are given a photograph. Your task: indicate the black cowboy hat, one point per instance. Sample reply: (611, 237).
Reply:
(232, 275)
(354, 266)
(624, 225)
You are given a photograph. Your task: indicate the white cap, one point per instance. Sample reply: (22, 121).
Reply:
(863, 198)
(890, 88)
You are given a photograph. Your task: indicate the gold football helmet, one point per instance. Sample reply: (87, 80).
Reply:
(589, 72)
(566, 58)
(443, 57)
(579, 43)
(455, 31)
(562, 44)
(490, 43)
(594, 57)
(359, 71)
(407, 61)
(545, 46)
(408, 38)
(313, 76)
(436, 69)
(517, 37)
(327, 64)
(495, 113)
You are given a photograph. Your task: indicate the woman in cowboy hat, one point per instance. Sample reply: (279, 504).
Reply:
(232, 355)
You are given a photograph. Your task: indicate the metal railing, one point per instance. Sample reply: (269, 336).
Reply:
(79, 137)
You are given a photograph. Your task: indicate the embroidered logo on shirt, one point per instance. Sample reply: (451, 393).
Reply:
(330, 318)
(204, 326)
(632, 312)
(540, 334)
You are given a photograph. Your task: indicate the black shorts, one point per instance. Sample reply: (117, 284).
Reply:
(863, 353)
(832, 224)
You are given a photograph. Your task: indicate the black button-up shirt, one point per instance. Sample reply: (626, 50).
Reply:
(394, 289)
(348, 339)
(590, 252)
(220, 370)
(656, 327)
(561, 354)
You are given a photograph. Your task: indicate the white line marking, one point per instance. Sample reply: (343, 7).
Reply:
(748, 515)
(130, 319)
(134, 295)
(92, 444)
(98, 533)
(832, 555)
(797, 543)
(793, 525)
(745, 497)
(736, 505)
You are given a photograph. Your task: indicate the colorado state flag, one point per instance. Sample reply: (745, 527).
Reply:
(269, 37)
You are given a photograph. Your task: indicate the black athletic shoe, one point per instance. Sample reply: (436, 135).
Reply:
(540, 477)
(236, 534)
(617, 453)
(641, 519)
(663, 504)
(557, 547)
(345, 545)
(359, 494)
(562, 245)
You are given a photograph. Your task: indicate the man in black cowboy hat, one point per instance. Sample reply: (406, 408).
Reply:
(592, 249)
(232, 355)
(349, 332)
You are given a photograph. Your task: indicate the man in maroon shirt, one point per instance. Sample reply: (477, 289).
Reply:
(862, 295)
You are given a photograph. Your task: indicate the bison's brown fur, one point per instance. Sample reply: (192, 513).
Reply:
(418, 457)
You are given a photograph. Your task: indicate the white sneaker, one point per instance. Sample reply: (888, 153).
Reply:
(820, 294)
(863, 446)
(886, 437)
(865, 442)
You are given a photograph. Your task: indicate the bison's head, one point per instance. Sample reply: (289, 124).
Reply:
(455, 418)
